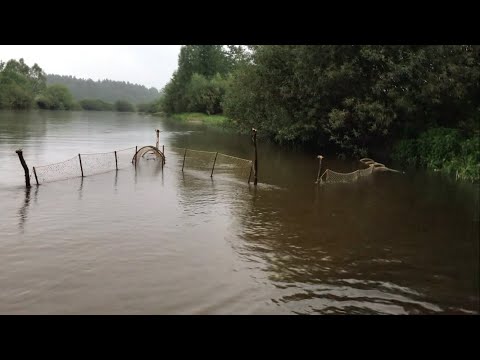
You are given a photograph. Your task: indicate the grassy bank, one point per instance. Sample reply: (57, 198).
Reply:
(442, 149)
(199, 118)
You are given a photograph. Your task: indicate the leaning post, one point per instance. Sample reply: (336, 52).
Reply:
(25, 167)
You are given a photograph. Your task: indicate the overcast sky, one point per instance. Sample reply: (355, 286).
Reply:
(149, 65)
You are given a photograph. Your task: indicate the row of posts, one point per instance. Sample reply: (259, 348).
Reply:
(253, 168)
(27, 172)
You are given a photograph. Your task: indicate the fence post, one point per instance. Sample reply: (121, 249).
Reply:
(116, 163)
(81, 167)
(35, 173)
(184, 154)
(320, 157)
(250, 175)
(136, 150)
(158, 138)
(255, 172)
(163, 152)
(213, 167)
(25, 167)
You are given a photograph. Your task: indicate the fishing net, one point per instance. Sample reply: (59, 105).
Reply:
(227, 164)
(204, 160)
(330, 176)
(92, 164)
(59, 171)
(152, 152)
(124, 157)
(98, 163)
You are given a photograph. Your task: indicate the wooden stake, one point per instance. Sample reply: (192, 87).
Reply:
(320, 157)
(25, 167)
(35, 173)
(184, 154)
(213, 167)
(255, 166)
(116, 163)
(81, 167)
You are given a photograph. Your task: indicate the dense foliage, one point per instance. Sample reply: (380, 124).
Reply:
(56, 97)
(95, 105)
(355, 99)
(200, 82)
(123, 106)
(442, 149)
(19, 84)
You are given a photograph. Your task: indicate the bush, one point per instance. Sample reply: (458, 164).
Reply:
(95, 105)
(123, 106)
(442, 149)
(56, 97)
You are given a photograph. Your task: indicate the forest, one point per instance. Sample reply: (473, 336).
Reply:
(107, 91)
(23, 87)
(416, 104)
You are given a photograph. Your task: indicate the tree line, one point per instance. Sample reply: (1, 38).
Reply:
(107, 91)
(417, 104)
(23, 87)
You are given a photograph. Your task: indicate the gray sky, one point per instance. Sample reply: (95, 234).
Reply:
(149, 65)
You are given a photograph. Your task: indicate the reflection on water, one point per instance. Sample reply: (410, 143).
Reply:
(22, 213)
(152, 240)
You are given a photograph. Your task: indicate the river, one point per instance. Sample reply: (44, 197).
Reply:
(148, 240)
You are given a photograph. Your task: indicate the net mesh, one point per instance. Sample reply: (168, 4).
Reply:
(331, 176)
(204, 160)
(124, 157)
(91, 163)
(59, 171)
(199, 160)
(147, 152)
(227, 164)
(98, 163)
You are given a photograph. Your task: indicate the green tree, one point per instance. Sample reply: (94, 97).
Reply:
(123, 106)
(19, 84)
(353, 98)
(56, 97)
(206, 63)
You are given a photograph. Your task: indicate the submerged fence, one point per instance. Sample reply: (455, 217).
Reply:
(96, 163)
(214, 162)
(84, 165)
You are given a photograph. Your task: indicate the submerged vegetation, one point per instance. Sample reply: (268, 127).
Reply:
(442, 149)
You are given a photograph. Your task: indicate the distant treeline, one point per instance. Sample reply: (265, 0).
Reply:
(23, 87)
(417, 104)
(106, 90)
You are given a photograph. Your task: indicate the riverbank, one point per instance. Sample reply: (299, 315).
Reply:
(200, 118)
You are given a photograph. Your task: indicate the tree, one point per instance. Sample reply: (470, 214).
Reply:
(56, 97)
(123, 106)
(353, 98)
(204, 62)
(19, 84)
